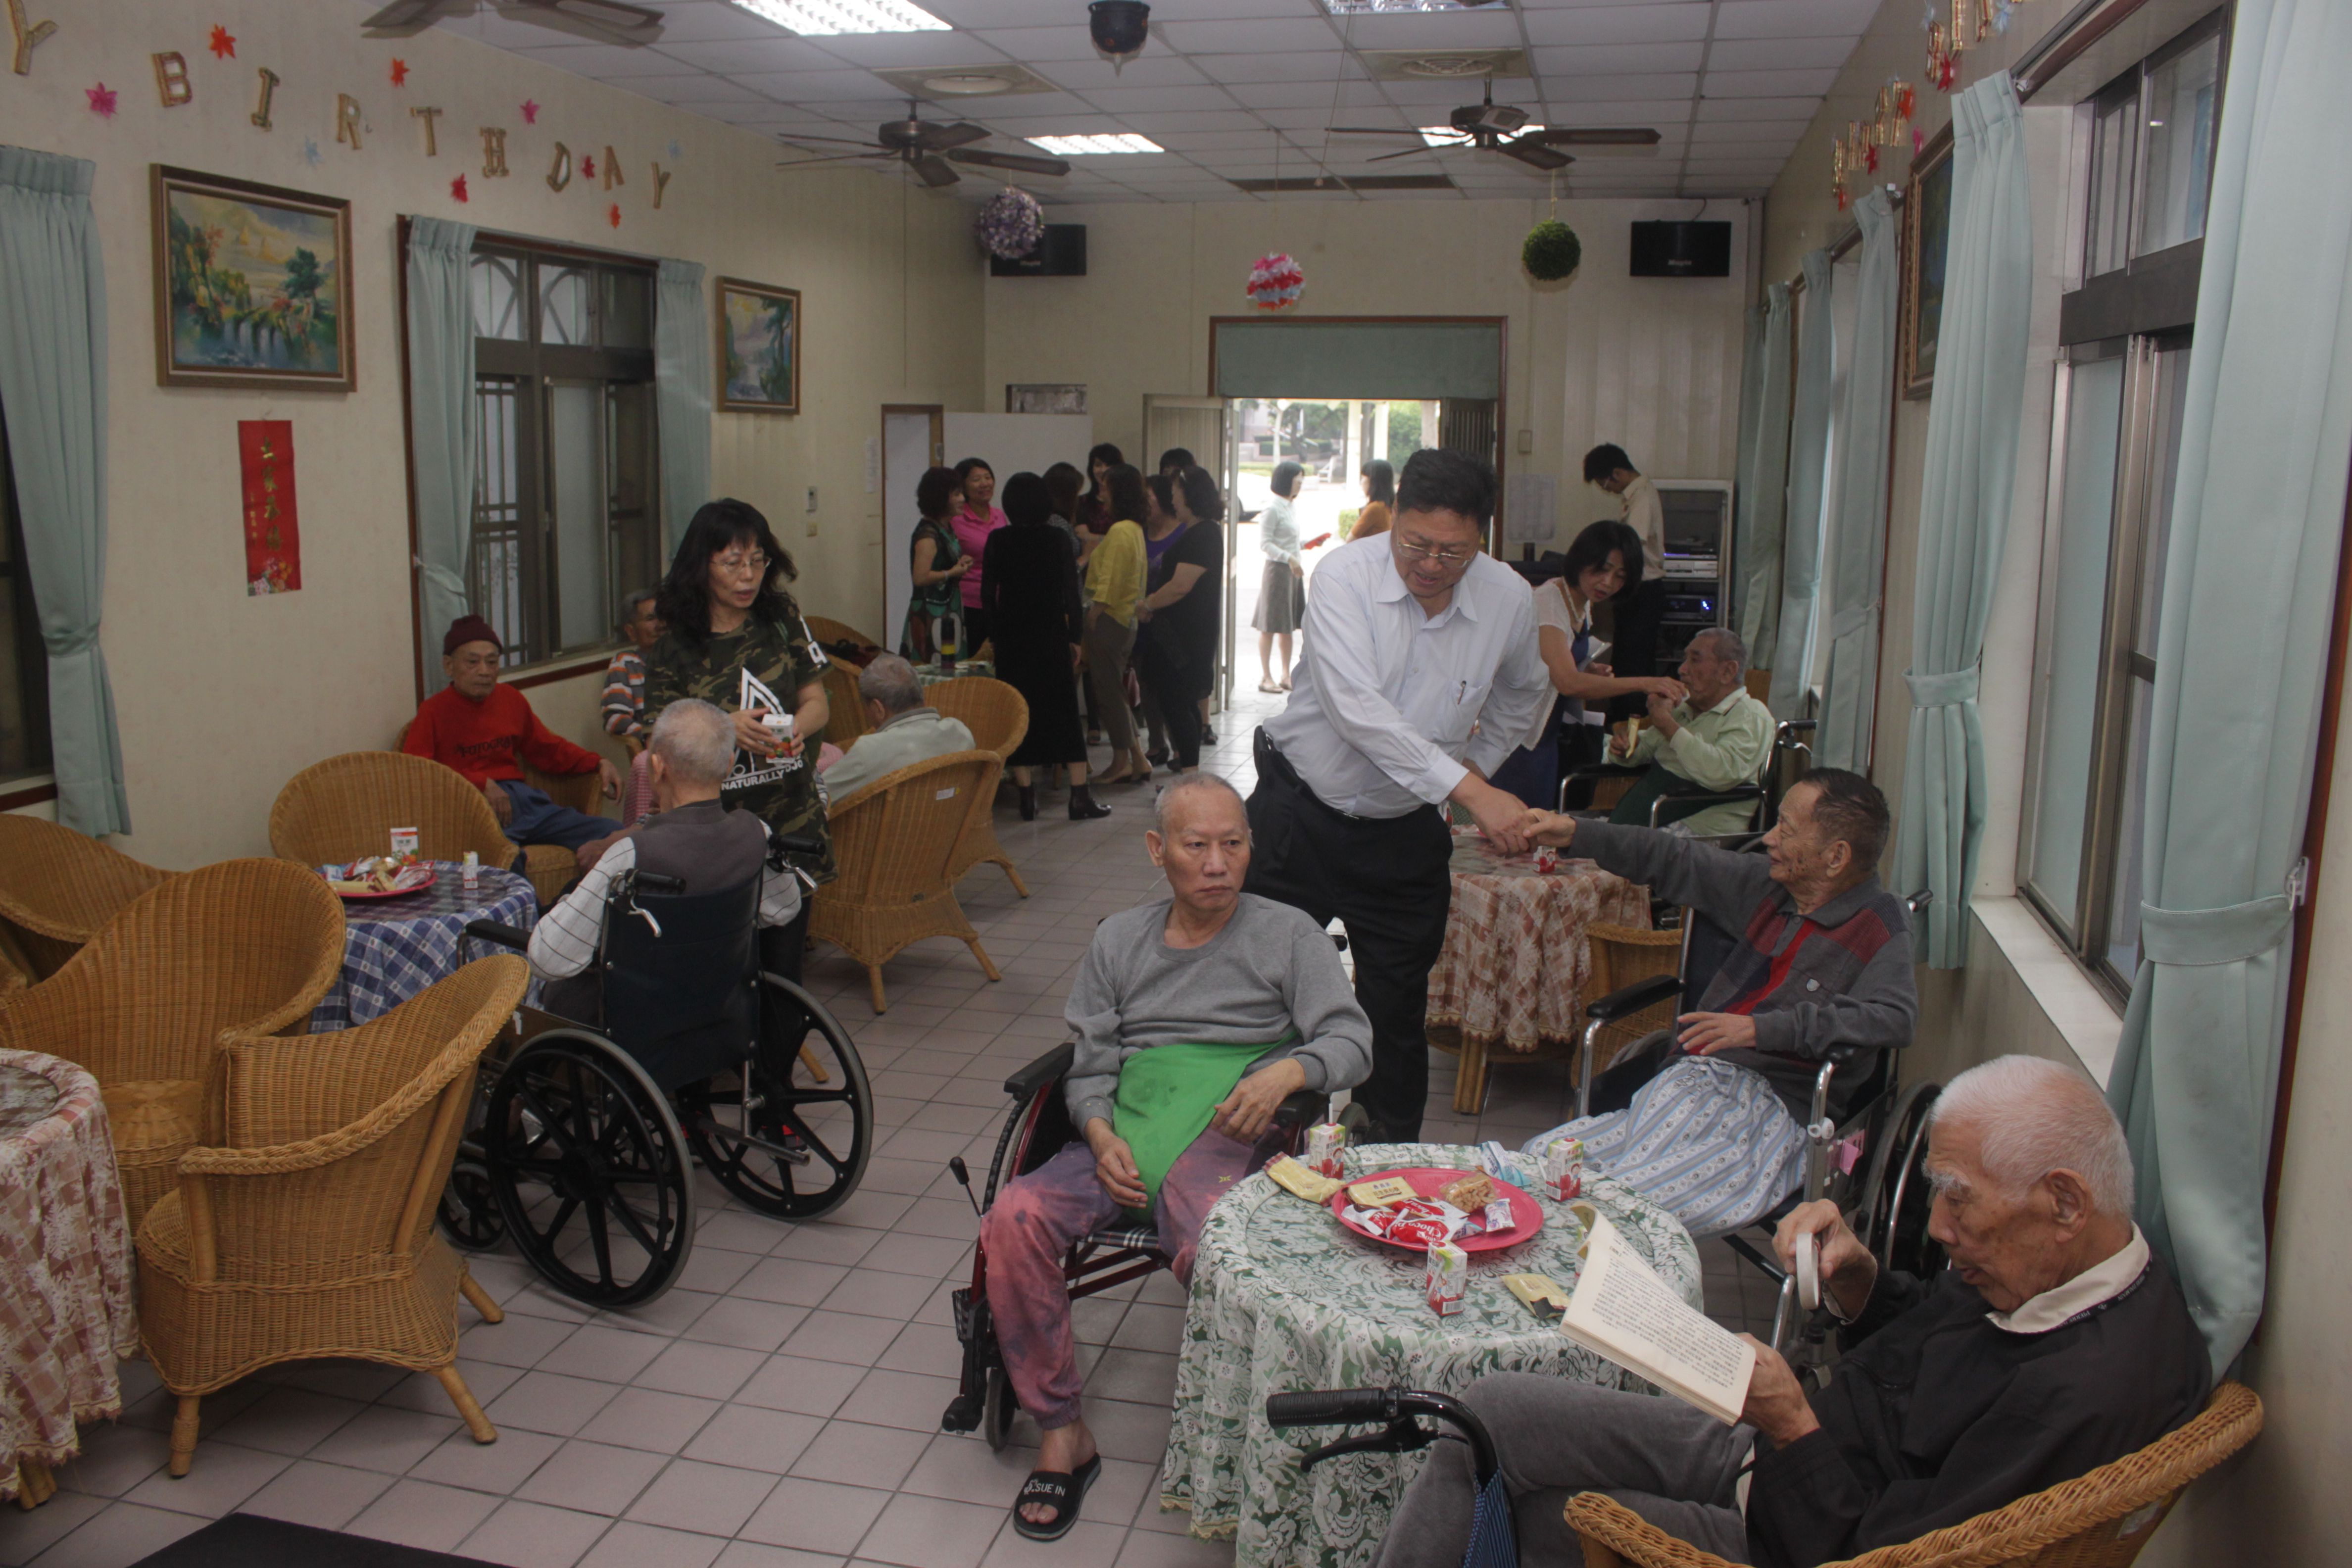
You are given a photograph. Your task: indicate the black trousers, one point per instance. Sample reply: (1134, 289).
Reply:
(1174, 677)
(1387, 879)
(1635, 650)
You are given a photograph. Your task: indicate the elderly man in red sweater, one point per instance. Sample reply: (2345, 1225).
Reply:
(486, 731)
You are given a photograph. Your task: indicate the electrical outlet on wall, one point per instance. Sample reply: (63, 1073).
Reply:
(811, 497)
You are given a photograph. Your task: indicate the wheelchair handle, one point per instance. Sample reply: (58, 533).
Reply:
(1332, 1407)
(504, 935)
(1397, 1406)
(655, 882)
(795, 844)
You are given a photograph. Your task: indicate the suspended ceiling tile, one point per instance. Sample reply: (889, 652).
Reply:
(912, 50)
(1325, 96)
(1083, 122)
(741, 55)
(1247, 37)
(1153, 123)
(707, 21)
(1607, 89)
(1492, 28)
(1798, 109)
(1769, 84)
(1162, 70)
(1590, 59)
(1674, 22)
(603, 62)
(1132, 100)
(1227, 10)
(1794, 18)
(815, 86)
(690, 90)
(1659, 112)
(1324, 65)
(1780, 54)
(984, 13)
(1039, 45)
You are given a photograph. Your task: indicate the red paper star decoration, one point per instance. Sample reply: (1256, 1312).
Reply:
(458, 189)
(102, 100)
(588, 168)
(399, 73)
(612, 215)
(223, 44)
(529, 113)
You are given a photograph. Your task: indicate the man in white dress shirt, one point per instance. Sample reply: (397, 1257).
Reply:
(1420, 674)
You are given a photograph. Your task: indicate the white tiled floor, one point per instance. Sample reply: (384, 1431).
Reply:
(780, 1407)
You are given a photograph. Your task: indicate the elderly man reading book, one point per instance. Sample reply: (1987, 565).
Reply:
(2056, 1342)
(1195, 1016)
(1824, 960)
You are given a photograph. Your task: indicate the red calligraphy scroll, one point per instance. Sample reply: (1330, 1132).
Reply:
(273, 540)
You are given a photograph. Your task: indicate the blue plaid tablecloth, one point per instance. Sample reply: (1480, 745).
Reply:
(395, 948)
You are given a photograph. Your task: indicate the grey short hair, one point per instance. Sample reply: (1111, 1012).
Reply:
(1192, 784)
(1725, 643)
(2036, 1117)
(891, 681)
(695, 740)
(631, 600)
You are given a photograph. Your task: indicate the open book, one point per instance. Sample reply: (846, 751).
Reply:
(1623, 1310)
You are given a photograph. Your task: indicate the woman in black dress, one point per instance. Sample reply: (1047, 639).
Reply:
(1029, 591)
(1176, 650)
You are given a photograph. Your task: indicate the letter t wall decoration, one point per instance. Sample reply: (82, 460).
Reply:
(428, 116)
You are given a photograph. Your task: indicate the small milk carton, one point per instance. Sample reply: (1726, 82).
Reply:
(473, 871)
(1325, 1142)
(1449, 1276)
(403, 842)
(1563, 1168)
(1547, 859)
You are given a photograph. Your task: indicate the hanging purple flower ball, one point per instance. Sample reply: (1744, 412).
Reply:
(1011, 224)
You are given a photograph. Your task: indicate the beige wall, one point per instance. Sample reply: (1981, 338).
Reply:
(221, 697)
(1650, 363)
(2284, 1502)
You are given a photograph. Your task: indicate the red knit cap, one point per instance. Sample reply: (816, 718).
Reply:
(469, 628)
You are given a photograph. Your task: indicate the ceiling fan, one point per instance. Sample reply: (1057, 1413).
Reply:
(605, 21)
(927, 147)
(1490, 127)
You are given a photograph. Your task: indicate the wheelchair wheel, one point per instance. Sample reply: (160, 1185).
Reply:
(997, 1409)
(589, 1170)
(794, 1142)
(1896, 1197)
(470, 1215)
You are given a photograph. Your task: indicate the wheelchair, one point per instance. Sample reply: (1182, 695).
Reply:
(1786, 761)
(576, 1147)
(1037, 1128)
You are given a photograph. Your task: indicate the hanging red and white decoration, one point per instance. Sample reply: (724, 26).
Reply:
(1276, 282)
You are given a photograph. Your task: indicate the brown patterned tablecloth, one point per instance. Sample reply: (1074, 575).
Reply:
(66, 1304)
(1516, 959)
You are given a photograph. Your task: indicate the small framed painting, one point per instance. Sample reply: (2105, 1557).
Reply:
(1926, 237)
(759, 348)
(253, 285)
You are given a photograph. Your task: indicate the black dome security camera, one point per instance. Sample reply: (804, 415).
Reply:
(1118, 27)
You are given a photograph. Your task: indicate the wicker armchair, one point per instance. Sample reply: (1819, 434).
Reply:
(550, 865)
(845, 709)
(829, 632)
(2098, 1520)
(998, 717)
(347, 807)
(307, 1227)
(896, 839)
(56, 888)
(244, 944)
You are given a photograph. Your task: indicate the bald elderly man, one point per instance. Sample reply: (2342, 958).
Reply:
(2054, 1343)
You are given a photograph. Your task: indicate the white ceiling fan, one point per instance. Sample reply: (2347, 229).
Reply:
(601, 21)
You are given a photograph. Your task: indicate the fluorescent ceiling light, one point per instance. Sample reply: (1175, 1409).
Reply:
(824, 19)
(1076, 146)
(1447, 136)
(1368, 7)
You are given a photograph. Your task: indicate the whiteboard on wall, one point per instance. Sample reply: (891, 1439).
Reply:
(1008, 443)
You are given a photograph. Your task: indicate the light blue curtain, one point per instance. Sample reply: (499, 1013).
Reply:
(444, 420)
(2241, 660)
(1858, 532)
(1808, 458)
(53, 390)
(1964, 504)
(1764, 490)
(1751, 411)
(682, 395)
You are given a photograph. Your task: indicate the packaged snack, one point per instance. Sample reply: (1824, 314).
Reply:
(403, 842)
(1382, 1194)
(1293, 1177)
(1547, 859)
(1470, 1193)
(1541, 1297)
(1563, 1168)
(1449, 1276)
(1325, 1142)
(1497, 1218)
(473, 871)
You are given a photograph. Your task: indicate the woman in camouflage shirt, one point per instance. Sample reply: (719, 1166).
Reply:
(735, 638)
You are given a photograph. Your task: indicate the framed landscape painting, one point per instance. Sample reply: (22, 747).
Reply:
(1926, 237)
(253, 285)
(759, 348)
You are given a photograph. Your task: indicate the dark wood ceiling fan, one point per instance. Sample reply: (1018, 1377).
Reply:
(605, 21)
(1490, 127)
(928, 147)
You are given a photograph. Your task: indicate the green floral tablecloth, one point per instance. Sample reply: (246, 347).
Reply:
(1283, 1301)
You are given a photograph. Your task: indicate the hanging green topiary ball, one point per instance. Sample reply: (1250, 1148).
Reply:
(1552, 251)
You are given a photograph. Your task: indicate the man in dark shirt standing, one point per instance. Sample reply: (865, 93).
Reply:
(2056, 1344)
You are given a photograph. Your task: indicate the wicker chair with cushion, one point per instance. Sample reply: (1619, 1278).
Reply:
(896, 839)
(244, 944)
(998, 717)
(56, 888)
(551, 866)
(347, 807)
(305, 1227)
(2098, 1520)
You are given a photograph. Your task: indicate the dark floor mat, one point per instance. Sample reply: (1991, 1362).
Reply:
(249, 1540)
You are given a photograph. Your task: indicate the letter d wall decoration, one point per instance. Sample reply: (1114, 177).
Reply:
(559, 173)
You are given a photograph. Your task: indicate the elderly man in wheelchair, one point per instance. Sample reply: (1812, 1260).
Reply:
(1197, 1018)
(1821, 972)
(2056, 1342)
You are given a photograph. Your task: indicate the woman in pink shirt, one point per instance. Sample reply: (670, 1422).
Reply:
(974, 524)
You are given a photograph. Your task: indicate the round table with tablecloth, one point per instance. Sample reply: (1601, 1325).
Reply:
(396, 948)
(67, 1306)
(1283, 1301)
(932, 675)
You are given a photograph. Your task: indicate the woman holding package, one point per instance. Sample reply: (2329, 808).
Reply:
(1115, 583)
(1030, 588)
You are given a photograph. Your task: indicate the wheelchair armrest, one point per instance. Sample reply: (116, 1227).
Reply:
(1043, 1073)
(1608, 770)
(1627, 1000)
(1302, 1109)
(504, 935)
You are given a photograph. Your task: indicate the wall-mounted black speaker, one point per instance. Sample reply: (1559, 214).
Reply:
(1682, 250)
(1061, 254)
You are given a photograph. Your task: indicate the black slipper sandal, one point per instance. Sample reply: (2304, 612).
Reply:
(1064, 1490)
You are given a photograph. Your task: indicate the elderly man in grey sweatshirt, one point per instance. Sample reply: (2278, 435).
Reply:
(1195, 1017)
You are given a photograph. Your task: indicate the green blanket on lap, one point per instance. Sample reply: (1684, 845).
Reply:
(1168, 1096)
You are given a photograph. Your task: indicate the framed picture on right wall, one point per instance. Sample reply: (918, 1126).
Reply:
(1926, 239)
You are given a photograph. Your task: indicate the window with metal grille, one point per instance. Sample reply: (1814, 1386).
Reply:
(564, 509)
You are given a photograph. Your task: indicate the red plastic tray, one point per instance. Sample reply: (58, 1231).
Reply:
(431, 877)
(1526, 1213)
